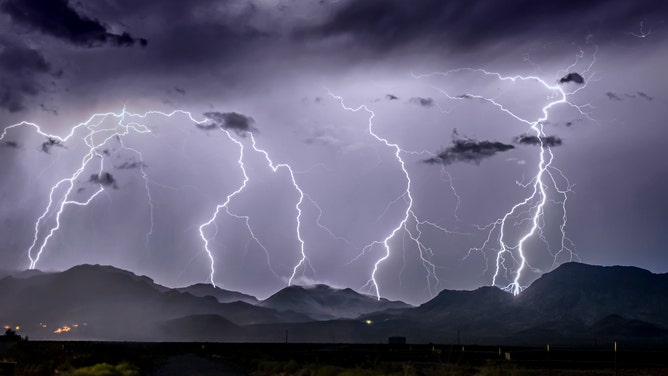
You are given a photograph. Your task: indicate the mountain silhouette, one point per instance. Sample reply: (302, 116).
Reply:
(573, 304)
(112, 304)
(323, 302)
(223, 296)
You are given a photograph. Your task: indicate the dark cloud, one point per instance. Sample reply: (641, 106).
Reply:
(130, 165)
(645, 96)
(468, 150)
(572, 77)
(10, 144)
(21, 70)
(387, 24)
(618, 97)
(179, 90)
(613, 96)
(546, 141)
(239, 123)
(424, 102)
(391, 97)
(50, 143)
(104, 179)
(59, 19)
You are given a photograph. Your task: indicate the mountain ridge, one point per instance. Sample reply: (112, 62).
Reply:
(574, 303)
(323, 302)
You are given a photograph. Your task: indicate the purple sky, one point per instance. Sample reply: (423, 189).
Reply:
(275, 68)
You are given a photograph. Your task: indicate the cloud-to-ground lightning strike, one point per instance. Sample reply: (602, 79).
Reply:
(534, 203)
(298, 207)
(96, 137)
(224, 205)
(413, 228)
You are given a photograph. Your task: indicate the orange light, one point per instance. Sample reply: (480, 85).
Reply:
(63, 329)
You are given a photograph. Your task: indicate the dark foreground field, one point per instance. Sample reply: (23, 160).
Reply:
(126, 358)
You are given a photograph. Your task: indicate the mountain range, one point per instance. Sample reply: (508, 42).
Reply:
(574, 304)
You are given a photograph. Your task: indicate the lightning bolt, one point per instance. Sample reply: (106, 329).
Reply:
(97, 137)
(531, 209)
(546, 177)
(410, 224)
(298, 206)
(58, 205)
(224, 205)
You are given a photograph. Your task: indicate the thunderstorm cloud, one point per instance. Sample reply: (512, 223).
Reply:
(50, 143)
(468, 150)
(21, 71)
(620, 97)
(390, 24)
(645, 96)
(572, 77)
(545, 141)
(424, 102)
(239, 123)
(613, 96)
(391, 97)
(59, 19)
(104, 179)
(130, 165)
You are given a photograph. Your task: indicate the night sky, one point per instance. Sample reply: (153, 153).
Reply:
(303, 79)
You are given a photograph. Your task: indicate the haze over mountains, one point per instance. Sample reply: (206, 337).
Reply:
(574, 304)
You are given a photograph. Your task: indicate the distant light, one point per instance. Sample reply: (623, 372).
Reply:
(63, 329)
(7, 327)
(368, 322)
(18, 327)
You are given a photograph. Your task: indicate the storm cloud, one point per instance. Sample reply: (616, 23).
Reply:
(572, 77)
(545, 141)
(59, 19)
(233, 121)
(469, 151)
(21, 71)
(424, 102)
(613, 96)
(104, 179)
(130, 165)
(644, 96)
(466, 25)
(51, 143)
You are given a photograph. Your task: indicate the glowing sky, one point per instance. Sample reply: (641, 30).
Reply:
(279, 65)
